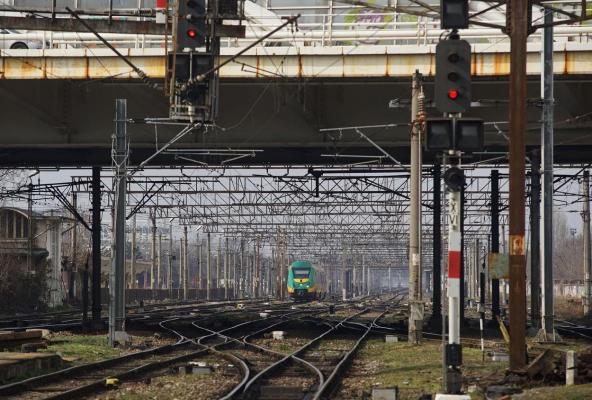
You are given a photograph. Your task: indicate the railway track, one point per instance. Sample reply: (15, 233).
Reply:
(79, 381)
(85, 379)
(199, 336)
(72, 320)
(313, 370)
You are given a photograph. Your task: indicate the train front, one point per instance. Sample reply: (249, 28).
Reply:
(301, 281)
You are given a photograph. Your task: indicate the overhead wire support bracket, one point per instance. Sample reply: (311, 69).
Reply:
(137, 70)
(200, 78)
(383, 151)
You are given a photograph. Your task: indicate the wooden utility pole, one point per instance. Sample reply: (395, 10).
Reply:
(518, 26)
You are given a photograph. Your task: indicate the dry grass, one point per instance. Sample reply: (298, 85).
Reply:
(415, 370)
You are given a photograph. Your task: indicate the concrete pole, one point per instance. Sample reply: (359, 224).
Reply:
(185, 264)
(586, 238)
(199, 266)
(226, 261)
(170, 263)
(117, 275)
(342, 284)
(364, 276)
(159, 262)
(242, 271)
(133, 256)
(476, 269)
(416, 307)
(181, 269)
(548, 329)
(218, 259)
(234, 275)
(257, 265)
(354, 279)
(153, 253)
(283, 263)
(209, 269)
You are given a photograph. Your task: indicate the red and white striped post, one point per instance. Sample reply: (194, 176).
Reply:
(454, 266)
(454, 179)
(161, 11)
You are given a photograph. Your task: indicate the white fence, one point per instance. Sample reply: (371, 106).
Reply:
(319, 26)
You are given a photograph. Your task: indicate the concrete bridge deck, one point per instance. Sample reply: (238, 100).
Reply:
(570, 59)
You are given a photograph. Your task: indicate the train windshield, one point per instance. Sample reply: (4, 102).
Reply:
(300, 273)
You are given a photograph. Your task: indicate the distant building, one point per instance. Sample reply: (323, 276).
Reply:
(25, 234)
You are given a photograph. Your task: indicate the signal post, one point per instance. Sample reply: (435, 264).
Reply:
(452, 136)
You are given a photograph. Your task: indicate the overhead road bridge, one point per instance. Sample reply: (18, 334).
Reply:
(276, 99)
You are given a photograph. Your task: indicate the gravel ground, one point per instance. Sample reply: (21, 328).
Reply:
(286, 345)
(177, 386)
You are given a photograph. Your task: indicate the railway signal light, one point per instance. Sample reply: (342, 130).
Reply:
(469, 135)
(454, 14)
(191, 25)
(454, 178)
(463, 134)
(439, 134)
(453, 76)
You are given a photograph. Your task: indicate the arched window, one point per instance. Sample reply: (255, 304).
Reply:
(13, 225)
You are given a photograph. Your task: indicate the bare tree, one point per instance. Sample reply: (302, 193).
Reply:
(567, 250)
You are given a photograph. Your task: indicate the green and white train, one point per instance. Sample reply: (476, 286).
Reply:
(305, 281)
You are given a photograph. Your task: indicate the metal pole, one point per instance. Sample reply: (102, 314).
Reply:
(416, 307)
(495, 283)
(74, 245)
(586, 238)
(117, 275)
(133, 255)
(547, 155)
(518, 35)
(96, 247)
(31, 235)
(535, 237)
(437, 249)
(85, 294)
(209, 269)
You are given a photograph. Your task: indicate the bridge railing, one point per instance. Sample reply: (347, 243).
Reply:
(322, 26)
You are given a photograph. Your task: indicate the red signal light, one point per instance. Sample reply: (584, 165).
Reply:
(192, 33)
(453, 94)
